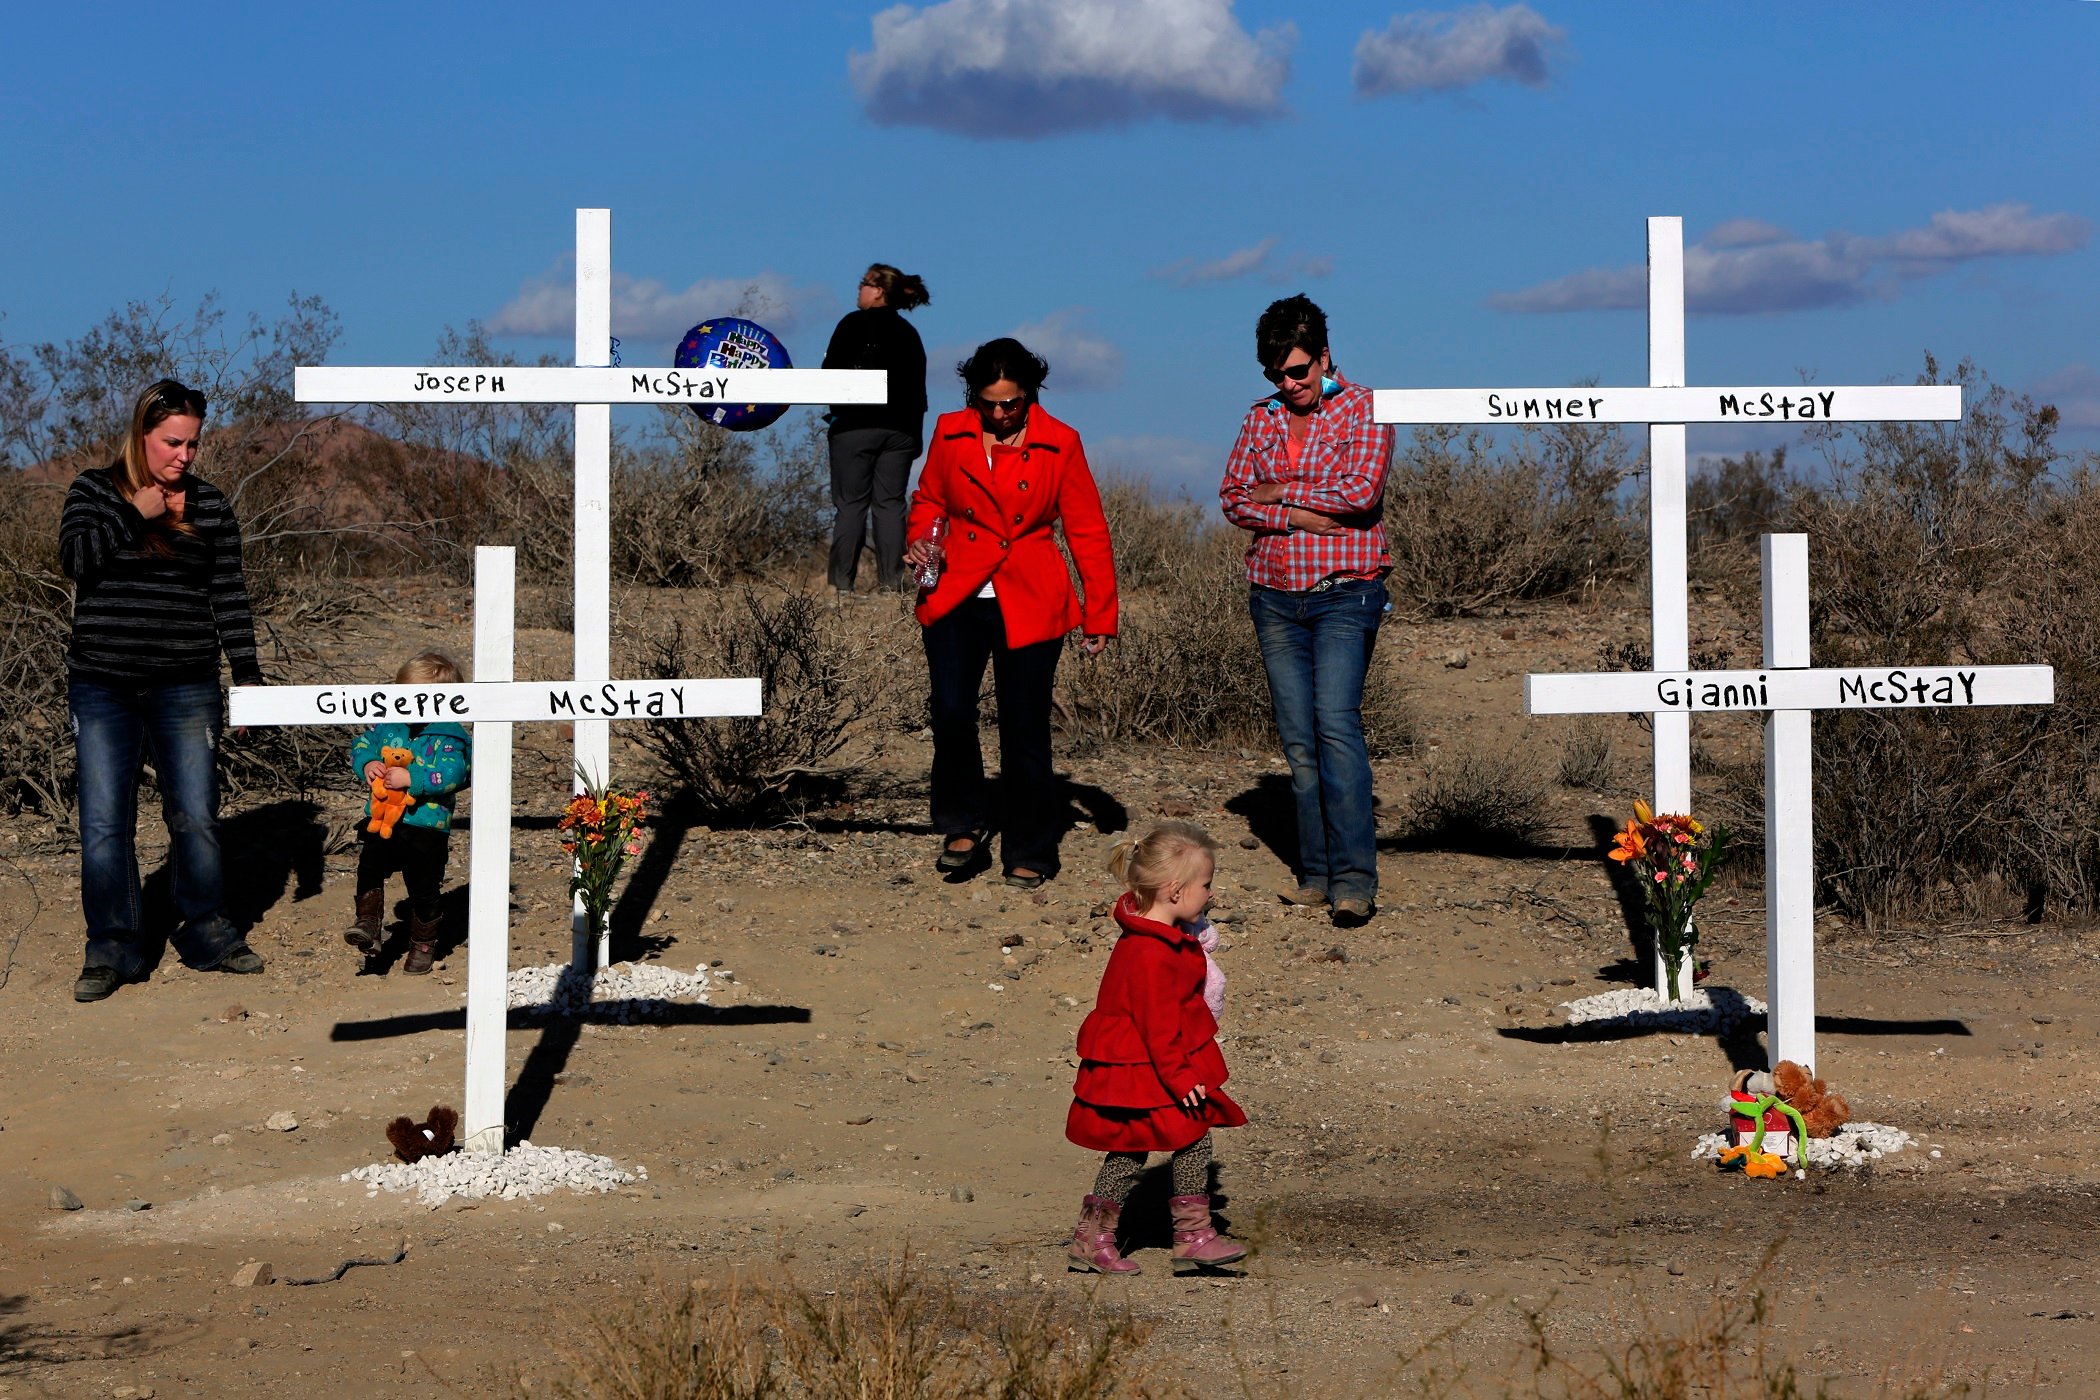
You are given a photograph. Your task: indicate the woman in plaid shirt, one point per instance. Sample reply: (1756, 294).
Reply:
(1307, 481)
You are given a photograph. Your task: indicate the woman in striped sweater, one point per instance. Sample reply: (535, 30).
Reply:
(155, 558)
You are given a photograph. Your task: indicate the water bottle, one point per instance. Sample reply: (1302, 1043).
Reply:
(929, 573)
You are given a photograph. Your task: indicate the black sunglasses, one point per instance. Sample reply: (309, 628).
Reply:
(1295, 373)
(1002, 405)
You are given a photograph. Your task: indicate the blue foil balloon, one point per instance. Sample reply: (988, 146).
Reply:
(731, 342)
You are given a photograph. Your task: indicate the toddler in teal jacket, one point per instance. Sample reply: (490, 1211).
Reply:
(417, 844)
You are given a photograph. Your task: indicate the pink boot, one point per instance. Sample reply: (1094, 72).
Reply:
(1094, 1239)
(1197, 1245)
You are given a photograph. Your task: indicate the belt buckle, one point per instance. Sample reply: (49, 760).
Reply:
(1324, 584)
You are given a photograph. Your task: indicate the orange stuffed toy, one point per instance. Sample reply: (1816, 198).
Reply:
(387, 803)
(1822, 1111)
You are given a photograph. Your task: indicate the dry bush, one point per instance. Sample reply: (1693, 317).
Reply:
(817, 703)
(1185, 667)
(1469, 529)
(890, 1334)
(1154, 539)
(36, 624)
(1943, 545)
(1478, 801)
(711, 506)
(1586, 756)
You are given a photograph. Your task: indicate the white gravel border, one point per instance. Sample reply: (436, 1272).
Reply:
(1854, 1145)
(624, 992)
(1701, 1010)
(525, 1170)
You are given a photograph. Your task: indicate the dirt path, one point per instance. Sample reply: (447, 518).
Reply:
(886, 1071)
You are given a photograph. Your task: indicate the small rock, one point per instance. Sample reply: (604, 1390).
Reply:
(2043, 1020)
(1563, 981)
(254, 1274)
(1024, 957)
(1248, 843)
(1453, 1001)
(961, 1195)
(281, 1121)
(1328, 1057)
(912, 1077)
(241, 1344)
(136, 1204)
(1011, 940)
(221, 1139)
(235, 1012)
(1464, 1300)
(726, 905)
(855, 1211)
(1360, 1295)
(1674, 1270)
(860, 1120)
(1457, 659)
(62, 1199)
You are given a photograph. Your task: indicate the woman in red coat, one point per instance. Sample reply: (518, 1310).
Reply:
(1000, 474)
(1149, 1065)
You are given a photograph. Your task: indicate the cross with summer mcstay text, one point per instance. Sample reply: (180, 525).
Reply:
(1789, 690)
(491, 702)
(592, 387)
(1666, 405)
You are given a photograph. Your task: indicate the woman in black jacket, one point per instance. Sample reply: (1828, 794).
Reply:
(155, 558)
(872, 445)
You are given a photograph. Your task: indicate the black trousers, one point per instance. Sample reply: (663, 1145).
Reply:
(869, 467)
(417, 853)
(1029, 818)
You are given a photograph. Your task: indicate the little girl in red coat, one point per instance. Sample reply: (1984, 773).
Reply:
(1150, 1069)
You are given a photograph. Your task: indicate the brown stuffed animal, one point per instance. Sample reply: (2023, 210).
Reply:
(430, 1138)
(387, 803)
(1821, 1110)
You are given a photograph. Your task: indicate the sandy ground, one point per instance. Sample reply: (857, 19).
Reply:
(1433, 1156)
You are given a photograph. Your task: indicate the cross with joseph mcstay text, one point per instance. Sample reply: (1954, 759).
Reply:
(592, 386)
(491, 702)
(1666, 405)
(1789, 691)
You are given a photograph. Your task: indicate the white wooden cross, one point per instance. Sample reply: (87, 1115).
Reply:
(1789, 690)
(1666, 405)
(491, 702)
(592, 388)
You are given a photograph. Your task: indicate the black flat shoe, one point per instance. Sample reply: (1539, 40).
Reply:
(1025, 882)
(241, 958)
(95, 983)
(951, 859)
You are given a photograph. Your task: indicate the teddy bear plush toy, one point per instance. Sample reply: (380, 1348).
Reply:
(430, 1138)
(1821, 1110)
(387, 803)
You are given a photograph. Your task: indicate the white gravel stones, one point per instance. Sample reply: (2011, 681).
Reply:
(523, 1171)
(1701, 1010)
(624, 992)
(1854, 1145)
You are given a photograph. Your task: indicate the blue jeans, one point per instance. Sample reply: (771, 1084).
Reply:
(114, 727)
(1316, 648)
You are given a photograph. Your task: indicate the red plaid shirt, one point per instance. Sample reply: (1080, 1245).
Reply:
(1340, 473)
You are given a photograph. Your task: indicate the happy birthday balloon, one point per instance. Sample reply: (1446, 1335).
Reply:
(731, 342)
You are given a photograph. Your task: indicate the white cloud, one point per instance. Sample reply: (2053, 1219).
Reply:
(1259, 259)
(1745, 266)
(1441, 51)
(1171, 466)
(1020, 69)
(1079, 359)
(645, 309)
(2075, 390)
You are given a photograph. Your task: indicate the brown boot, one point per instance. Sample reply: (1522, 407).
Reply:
(364, 933)
(1094, 1239)
(1197, 1243)
(422, 944)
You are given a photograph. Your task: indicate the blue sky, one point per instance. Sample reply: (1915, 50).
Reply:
(1124, 182)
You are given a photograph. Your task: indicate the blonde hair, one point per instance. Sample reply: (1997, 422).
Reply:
(428, 668)
(163, 399)
(1170, 852)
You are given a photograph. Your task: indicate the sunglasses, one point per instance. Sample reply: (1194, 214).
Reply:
(178, 399)
(1014, 404)
(1295, 373)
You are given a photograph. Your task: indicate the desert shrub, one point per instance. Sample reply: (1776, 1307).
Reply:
(1154, 539)
(36, 623)
(711, 507)
(1939, 545)
(1185, 667)
(1586, 754)
(816, 703)
(1470, 529)
(892, 1332)
(1479, 801)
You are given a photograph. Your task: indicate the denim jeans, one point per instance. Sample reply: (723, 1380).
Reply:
(1316, 648)
(1029, 816)
(114, 727)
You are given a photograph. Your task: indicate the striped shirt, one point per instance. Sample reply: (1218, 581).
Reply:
(139, 616)
(1340, 472)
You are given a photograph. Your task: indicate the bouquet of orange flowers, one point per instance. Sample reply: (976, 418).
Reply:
(601, 827)
(1673, 857)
